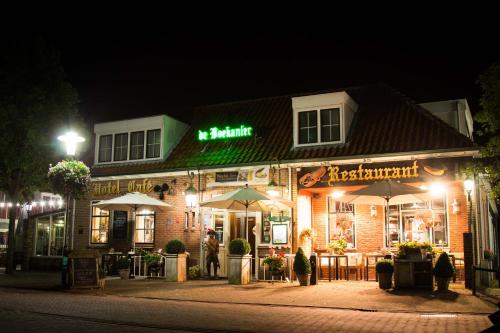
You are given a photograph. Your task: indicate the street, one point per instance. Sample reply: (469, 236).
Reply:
(46, 311)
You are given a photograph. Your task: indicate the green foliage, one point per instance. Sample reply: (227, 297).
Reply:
(488, 133)
(239, 246)
(274, 261)
(152, 258)
(301, 264)
(70, 176)
(384, 266)
(175, 246)
(338, 245)
(444, 267)
(194, 272)
(406, 248)
(122, 263)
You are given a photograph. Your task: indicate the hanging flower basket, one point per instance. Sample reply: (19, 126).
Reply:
(70, 176)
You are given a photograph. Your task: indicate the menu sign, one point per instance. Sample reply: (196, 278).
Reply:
(253, 176)
(119, 224)
(84, 272)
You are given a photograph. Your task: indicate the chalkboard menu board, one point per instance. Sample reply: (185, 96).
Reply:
(119, 224)
(84, 272)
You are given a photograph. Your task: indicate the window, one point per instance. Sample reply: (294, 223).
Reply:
(50, 235)
(330, 125)
(153, 143)
(341, 223)
(121, 147)
(219, 227)
(105, 144)
(99, 232)
(136, 145)
(308, 127)
(420, 222)
(145, 228)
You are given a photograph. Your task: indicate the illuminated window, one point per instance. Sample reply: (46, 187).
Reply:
(99, 232)
(420, 222)
(145, 228)
(341, 224)
(50, 235)
(153, 143)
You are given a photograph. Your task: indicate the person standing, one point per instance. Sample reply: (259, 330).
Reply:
(212, 253)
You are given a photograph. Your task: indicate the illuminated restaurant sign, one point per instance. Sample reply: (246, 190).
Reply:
(225, 133)
(335, 175)
(113, 187)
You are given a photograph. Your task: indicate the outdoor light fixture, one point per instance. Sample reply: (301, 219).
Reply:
(70, 140)
(29, 207)
(468, 186)
(437, 189)
(455, 206)
(273, 189)
(191, 194)
(373, 211)
(337, 194)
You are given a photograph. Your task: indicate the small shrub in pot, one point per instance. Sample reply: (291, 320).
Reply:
(175, 246)
(302, 267)
(239, 246)
(384, 269)
(443, 271)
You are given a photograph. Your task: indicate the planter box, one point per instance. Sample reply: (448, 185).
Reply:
(240, 269)
(176, 267)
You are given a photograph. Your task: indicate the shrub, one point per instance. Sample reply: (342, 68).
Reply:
(338, 245)
(194, 272)
(444, 268)
(406, 248)
(152, 258)
(239, 246)
(301, 264)
(384, 266)
(175, 246)
(122, 263)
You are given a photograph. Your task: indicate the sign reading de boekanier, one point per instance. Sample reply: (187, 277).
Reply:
(225, 133)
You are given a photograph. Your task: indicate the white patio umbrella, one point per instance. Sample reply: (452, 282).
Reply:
(246, 199)
(135, 201)
(386, 192)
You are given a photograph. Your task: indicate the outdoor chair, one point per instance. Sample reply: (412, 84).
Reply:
(353, 264)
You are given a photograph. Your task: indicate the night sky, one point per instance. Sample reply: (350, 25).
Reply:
(123, 74)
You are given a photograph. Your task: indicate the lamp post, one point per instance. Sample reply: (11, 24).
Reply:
(469, 186)
(71, 140)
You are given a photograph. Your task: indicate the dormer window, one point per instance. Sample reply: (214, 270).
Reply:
(121, 147)
(153, 144)
(322, 119)
(137, 145)
(105, 148)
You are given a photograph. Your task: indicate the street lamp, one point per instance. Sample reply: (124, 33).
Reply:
(469, 186)
(191, 196)
(71, 140)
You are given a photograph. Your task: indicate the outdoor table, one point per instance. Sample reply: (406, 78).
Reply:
(376, 256)
(336, 257)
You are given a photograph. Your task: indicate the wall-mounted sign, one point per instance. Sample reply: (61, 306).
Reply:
(280, 233)
(338, 175)
(225, 133)
(113, 187)
(254, 176)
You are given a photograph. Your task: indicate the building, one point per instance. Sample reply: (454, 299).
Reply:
(312, 149)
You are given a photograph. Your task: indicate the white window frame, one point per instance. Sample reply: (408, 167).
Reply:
(121, 147)
(146, 143)
(318, 127)
(145, 131)
(99, 146)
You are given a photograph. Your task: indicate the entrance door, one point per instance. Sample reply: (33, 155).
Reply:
(238, 231)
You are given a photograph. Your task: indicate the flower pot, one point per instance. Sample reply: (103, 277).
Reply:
(124, 273)
(385, 280)
(414, 254)
(304, 279)
(442, 283)
(239, 269)
(176, 267)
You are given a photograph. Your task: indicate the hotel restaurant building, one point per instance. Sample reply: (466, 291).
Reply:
(312, 149)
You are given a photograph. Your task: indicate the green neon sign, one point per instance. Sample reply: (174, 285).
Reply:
(225, 133)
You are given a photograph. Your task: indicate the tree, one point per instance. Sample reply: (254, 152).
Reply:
(488, 119)
(35, 102)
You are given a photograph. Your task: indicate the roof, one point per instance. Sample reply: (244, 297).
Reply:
(386, 123)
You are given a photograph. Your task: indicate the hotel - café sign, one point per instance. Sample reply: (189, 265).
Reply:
(338, 175)
(114, 187)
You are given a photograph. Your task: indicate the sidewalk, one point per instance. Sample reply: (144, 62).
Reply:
(359, 295)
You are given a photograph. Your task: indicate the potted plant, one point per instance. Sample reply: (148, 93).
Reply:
(152, 261)
(194, 272)
(443, 271)
(338, 246)
(275, 263)
(123, 266)
(302, 267)
(384, 269)
(239, 261)
(176, 261)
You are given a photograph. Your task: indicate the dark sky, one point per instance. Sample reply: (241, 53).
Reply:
(134, 73)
